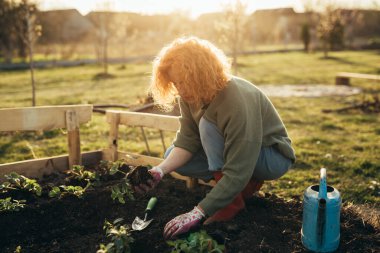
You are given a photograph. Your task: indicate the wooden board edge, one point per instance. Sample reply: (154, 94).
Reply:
(37, 168)
(137, 159)
(41, 117)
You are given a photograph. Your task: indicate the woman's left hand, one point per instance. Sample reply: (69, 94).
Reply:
(183, 223)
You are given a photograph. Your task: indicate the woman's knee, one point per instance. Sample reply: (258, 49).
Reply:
(271, 164)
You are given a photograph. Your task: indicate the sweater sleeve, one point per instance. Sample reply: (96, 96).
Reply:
(242, 129)
(188, 134)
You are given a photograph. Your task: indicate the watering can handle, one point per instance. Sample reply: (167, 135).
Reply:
(323, 185)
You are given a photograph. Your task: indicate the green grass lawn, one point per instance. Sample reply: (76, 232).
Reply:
(347, 144)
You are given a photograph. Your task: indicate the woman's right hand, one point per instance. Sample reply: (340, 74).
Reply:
(157, 175)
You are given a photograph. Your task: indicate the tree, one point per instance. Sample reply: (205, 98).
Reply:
(330, 29)
(29, 31)
(231, 29)
(308, 27)
(305, 36)
(8, 33)
(104, 20)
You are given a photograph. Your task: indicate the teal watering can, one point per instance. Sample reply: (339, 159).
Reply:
(321, 217)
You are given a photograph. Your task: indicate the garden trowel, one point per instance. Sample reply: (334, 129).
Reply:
(139, 224)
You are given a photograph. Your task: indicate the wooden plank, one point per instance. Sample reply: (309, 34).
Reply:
(114, 120)
(157, 121)
(137, 159)
(359, 75)
(36, 168)
(132, 158)
(41, 117)
(73, 138)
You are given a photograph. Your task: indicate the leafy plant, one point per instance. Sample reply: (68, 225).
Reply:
(16, 181)
(197, 242)
(115, 167)
(9, 204)
(124, 188)
(78, 172)
(55, 192)
(18, 249)
(121, 190)
(120, 237)
(68, 190)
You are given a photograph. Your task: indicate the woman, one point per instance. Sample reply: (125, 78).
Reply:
(229, 131)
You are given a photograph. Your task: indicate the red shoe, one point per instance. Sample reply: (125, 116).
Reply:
(229, 211)
(253, 186)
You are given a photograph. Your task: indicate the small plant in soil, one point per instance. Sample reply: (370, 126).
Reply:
(79, 173)
(124, 188)
(112, 168)
(197, 242)
(68, 190)
(121, 191)
(120, 237)
(139, 175)
(9, 204)
(19, 182)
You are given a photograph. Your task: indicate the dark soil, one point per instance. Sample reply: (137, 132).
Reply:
(269, 223)
(139, 175)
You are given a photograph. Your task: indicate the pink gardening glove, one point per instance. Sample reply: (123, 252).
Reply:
(157, 175)
(183, 223)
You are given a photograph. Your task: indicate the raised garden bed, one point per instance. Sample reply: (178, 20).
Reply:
(71, 224)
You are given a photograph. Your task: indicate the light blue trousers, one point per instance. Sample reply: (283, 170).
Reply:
(270, 165)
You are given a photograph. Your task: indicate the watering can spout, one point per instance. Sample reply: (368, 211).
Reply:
(323, 185)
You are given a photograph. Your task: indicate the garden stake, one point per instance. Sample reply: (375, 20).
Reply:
(139, 224)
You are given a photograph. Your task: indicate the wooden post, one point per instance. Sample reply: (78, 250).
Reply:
(72, 126)
(114, 120)
(342, 80)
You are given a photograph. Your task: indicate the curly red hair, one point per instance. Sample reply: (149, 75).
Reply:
(202, 68)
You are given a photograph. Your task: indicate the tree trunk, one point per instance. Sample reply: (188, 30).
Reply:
(105, 55)
(8, 54)
(325, 50)
(235, 46)
(31, 60)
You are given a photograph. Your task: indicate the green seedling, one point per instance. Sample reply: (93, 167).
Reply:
(16, 181)
(121, 190)
(120, 237)
(55, 192)
(111, 168)
(197, 242)
(9, 204)
(78, 172)
(115, 167)
(73, 190)
(124, 188)
(64, 190)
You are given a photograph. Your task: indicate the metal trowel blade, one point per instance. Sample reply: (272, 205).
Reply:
(139, 224)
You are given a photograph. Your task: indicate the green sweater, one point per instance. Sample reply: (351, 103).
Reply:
(247, 120)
